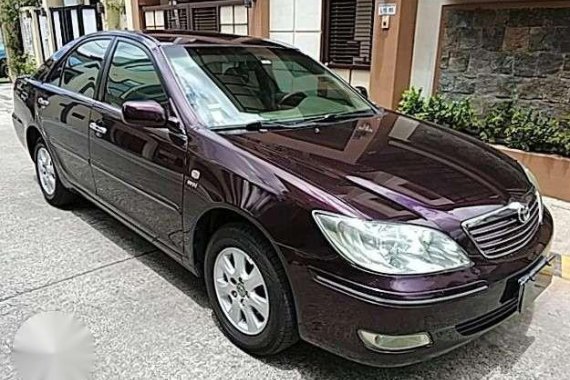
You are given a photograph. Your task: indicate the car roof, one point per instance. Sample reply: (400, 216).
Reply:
(196, 38)
(187, 37)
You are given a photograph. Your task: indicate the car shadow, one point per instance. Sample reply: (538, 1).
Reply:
(146, 253)
(496, 351)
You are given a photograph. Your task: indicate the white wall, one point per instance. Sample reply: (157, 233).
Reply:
(298, 23)
(355, 77)
(426, 39)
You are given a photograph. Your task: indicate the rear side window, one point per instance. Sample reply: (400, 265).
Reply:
(83, 66)
(132, 76)
(43, 73)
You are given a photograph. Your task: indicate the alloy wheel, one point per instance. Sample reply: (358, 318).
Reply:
(46, 171)
(241, 291)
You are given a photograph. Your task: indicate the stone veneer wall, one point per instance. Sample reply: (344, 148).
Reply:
(491, 55)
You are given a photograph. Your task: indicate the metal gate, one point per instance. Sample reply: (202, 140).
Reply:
(72, 22)
(204, 16)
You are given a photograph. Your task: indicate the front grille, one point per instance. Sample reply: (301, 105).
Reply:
(488, 320)
(505, 231)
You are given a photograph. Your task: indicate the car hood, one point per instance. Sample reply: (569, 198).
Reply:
(393, 167)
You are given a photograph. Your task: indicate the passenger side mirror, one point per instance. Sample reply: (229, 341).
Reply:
(363, 91)
(145, 113)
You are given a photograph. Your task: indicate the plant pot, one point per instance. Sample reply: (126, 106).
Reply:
(552, 171)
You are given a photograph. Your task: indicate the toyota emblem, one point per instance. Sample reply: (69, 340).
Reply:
(524, 213)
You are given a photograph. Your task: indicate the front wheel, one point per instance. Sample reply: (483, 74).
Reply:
(53, 190)
(248, 291)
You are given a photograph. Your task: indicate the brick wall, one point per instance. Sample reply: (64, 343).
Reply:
(493, 55)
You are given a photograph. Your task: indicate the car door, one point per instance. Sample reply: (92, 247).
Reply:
(138, 171)
(64, 106)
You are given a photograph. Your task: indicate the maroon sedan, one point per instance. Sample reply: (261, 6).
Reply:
(308, 211)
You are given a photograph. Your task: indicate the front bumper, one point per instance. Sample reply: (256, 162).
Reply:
(334, 310)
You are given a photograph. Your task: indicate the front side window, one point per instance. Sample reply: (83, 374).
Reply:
(82, 68)
(132, 76)
(238, 85)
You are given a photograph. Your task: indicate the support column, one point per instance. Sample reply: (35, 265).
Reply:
(392, 51)
(132, 11)
(258, 19)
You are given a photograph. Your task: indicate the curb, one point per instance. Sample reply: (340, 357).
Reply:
(565, 266)
(560, 266)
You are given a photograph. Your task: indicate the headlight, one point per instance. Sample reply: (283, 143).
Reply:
(532, 179)
(391, 248)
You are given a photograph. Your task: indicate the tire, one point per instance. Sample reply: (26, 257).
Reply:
(55, 193)
(3, 69)
(280, 327)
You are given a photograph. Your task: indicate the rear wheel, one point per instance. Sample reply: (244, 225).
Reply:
(248, 291)
(3, 69)
(50, 184)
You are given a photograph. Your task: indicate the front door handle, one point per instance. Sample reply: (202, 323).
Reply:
(43, 102)
(97, 128)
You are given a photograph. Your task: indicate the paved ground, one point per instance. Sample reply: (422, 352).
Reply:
(151, 320)
(561, 212)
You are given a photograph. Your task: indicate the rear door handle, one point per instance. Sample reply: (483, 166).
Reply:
(97, 128)
(43, 102)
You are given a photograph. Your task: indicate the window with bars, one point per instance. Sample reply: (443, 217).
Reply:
(347, 38)
(229, 16)
(205, 19)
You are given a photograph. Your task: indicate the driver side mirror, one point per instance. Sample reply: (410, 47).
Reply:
(145, 113)
(363, 91)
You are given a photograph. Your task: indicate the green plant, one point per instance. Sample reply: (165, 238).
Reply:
(10, 22)
(525, 129)
(24, 65)
(412, 102)
(457, 114)
(496, 122)
(113, 10)
(506, 122)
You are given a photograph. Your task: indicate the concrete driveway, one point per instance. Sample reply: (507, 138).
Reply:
(150, 318)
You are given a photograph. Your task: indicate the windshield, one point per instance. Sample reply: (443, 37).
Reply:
(230, 85)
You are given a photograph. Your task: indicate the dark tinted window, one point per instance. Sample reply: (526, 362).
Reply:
(43, 74)
(83, 66)
(259, 79)
(232, 85)
(132, 76)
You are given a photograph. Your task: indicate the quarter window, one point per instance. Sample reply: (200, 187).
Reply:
(83, 66)
(132, 76)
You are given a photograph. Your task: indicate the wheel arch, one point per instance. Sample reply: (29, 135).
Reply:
(211, 219)
(33, 134)
(215, 217)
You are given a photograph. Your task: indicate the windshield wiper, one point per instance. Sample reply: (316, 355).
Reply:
(309, 121)
(254, 126)
(332, 117)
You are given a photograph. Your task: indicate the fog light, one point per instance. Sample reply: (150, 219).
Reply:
(394, 343)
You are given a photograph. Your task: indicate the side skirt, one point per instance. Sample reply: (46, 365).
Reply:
(131, 225)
